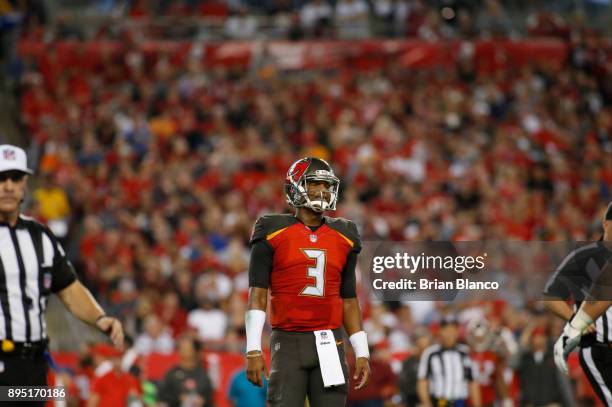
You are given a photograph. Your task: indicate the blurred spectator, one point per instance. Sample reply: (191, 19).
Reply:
(433, 28)
(155, 338)
(390, 17)
(53, 205)
(61, 377)
(407, 381)
(540, 380)
(209, 322)
(494, 20)
(243, 393)
(316, 17)
(399, 335)
(382, 384)
(379, 323)
(171, 314)
(351, 18)
(188, 382)
(241, 25)
(116, 387)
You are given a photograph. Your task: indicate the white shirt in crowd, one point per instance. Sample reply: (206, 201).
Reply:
(241, 27)
(210, 324)
(352, 19)
(145, 344)
(314, 12)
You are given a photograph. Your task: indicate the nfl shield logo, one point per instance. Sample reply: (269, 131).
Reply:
(313, 238)
(8, 155)
(323, 335)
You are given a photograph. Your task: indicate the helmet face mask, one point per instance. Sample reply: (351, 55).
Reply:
(310, 170)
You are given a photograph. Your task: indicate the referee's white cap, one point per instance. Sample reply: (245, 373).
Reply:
(13, 158)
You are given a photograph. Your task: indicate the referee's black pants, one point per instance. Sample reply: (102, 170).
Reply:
(596, 361)
(17, 370)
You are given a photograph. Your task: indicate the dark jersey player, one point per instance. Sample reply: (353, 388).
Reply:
(307, 262)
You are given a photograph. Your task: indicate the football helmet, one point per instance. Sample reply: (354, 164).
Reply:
(311, 169)
(479, 335)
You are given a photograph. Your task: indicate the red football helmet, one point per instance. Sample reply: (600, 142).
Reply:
(311, 169)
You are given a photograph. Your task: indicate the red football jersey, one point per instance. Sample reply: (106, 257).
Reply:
(307, 272)
(485, 366)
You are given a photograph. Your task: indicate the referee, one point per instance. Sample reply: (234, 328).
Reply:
(32, 266)
(576, 276)
(446, 372)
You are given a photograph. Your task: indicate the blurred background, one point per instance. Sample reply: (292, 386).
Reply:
(160, 130)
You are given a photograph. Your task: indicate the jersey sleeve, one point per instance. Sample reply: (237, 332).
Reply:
(348, 230)
(602, 286)
(260, 265)
(260, 230)
(568, 280)
(348, 285)
(63, 273)
(262, 253)
(267, 225)
(357, 238)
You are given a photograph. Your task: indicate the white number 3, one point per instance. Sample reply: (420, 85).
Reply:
(317, 271)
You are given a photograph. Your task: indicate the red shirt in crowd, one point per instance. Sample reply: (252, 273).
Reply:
(114, 388)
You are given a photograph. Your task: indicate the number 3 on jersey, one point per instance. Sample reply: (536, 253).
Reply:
(317, 271)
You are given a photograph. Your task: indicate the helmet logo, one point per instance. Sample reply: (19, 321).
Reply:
(297, 170)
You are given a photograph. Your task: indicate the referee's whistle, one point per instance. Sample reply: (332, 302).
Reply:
(8, 346)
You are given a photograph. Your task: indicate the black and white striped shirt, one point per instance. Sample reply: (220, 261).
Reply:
(449, 371)
(33, 265)
(574, 279)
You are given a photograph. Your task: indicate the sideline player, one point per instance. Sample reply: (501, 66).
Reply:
(488, 355)
(307, 261)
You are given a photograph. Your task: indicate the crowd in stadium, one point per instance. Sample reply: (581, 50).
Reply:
(154, 173)
(296, 19)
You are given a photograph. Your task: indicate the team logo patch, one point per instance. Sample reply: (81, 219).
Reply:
(298, 169)
(8, 155)
(313, 238)
(47, 280)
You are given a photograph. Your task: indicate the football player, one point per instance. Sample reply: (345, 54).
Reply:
(488, 356)
(306, 262)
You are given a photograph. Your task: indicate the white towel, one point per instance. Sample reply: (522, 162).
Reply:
(329, 359)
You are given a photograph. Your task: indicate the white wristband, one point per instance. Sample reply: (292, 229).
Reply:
(581, 320)
(359, 341)
(254, 320)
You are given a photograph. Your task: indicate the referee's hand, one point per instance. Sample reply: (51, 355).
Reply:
(112, 327)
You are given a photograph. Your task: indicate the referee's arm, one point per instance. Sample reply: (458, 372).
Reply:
(423, 392)
(78, 299)
(558, 289)
(83, 305)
